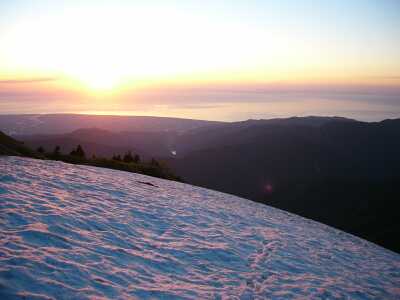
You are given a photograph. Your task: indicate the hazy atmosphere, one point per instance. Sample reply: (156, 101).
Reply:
(206, 60)
(242, 149)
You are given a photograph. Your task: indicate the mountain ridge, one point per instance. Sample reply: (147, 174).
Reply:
(286, 162)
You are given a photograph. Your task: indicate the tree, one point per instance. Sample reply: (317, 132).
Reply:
(154, 162)
(136, 158)
(116, 157)
(56, 151)
(128, 158)
(78, 152)
(41, 150)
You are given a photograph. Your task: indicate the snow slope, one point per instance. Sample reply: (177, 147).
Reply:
(78, 232)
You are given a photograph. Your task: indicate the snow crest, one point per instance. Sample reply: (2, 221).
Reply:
(78, 232)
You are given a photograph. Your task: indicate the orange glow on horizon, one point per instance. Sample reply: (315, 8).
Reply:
(153, 58)
(132, 50)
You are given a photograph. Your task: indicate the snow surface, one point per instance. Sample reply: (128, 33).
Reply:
(77, 232)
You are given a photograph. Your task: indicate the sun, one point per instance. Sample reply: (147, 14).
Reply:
(100, 81)
(98, 72)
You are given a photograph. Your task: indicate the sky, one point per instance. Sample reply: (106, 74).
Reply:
(216, 60)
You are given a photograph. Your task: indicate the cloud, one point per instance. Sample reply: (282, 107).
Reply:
(29, 80)
(278, 93)
(385, 77)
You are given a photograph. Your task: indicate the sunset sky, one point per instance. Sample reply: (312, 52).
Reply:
(218, 60)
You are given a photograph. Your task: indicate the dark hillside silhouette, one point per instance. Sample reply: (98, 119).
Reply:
(10, 146)
(335, 170)
(106, 143)
(342, 173)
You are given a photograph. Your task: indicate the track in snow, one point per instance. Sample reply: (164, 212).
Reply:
(75, 232)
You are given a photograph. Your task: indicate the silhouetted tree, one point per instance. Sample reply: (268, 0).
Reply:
(116, 157)
(128, 158)
(136, 158)
(153, 162)
(57, 150)
(78, 152)
(40, 150)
